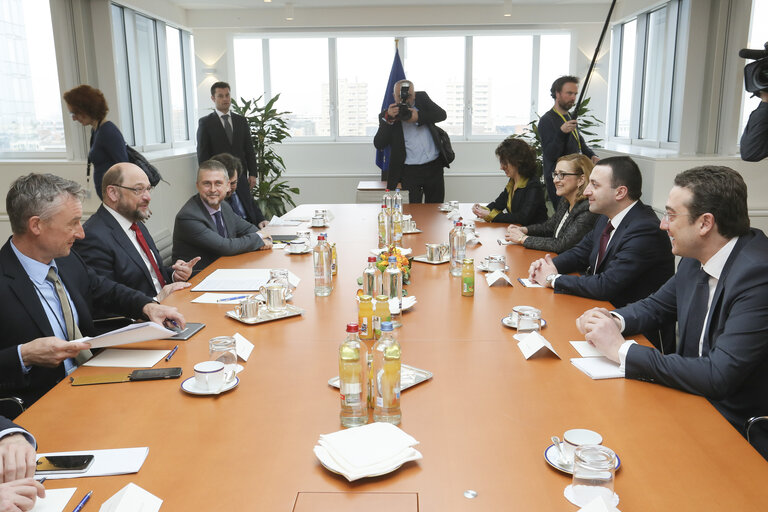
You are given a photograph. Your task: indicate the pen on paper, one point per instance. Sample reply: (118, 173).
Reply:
(232, 298)
(83, 501)
(170, 355)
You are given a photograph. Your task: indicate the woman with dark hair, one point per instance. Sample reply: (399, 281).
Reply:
(572, 219)
(522, 200)
(88, 107)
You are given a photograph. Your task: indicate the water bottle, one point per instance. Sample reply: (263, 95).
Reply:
(393, 288)
(353, 379)
(385, 227)
(371, 278)
(388, 200)
(397, 226)
(321, 256)
(397, 200)
(386, 377)
(458, 242)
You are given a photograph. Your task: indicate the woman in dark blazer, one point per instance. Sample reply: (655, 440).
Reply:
(522, 200)
(88, 107)
(572, 219)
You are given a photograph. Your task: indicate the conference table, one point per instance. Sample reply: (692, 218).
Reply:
(483, 421)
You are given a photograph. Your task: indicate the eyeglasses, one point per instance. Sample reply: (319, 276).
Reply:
(138, 191)
(670, 216)
(560, 175)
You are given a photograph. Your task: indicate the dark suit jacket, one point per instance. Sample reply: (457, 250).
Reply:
(195, 234)
(527, 204)
(580, 221)
(637, 262)
(733, 370)
(107, 249)
(392, 135)
(23, 318)
(253, 213)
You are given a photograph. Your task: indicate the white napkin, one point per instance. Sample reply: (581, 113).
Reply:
(407, 303)
(372, 449)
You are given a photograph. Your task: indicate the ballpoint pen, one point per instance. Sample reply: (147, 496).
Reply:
(172, 325)
(170, 355)
(233, 298)
(83, 501)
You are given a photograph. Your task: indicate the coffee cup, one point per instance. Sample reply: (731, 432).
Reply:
(576, 437)
(297, 246)
(209, 375)
(437, 252)
(248, 309)
(275, 295)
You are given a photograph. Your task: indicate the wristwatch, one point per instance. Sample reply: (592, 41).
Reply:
(551, 280)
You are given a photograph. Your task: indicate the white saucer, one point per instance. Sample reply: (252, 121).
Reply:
(552, 456)
(305, 251)
(568, 493)
(444, 208)
(513, 325)
(483, 268)
(190, 386)
(412, 232)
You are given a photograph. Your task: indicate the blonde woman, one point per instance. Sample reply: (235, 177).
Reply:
(572, 219)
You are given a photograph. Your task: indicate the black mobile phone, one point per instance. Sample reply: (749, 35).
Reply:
(64, 463)
(156, 373)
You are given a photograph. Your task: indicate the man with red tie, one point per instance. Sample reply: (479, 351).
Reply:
(625, 258)
(118, 246)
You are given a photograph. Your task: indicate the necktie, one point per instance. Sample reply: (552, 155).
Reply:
(219, 224)
(237, 205)
(227, 127)
(603, 244)
(697, 314)
(73, 331)
(145, 247)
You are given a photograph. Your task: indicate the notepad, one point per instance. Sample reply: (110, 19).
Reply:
(55, 500)
(598, 367)
(127, 358)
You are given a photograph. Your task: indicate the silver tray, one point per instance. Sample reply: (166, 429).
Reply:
(266, 316)
(409, 377)
(423, 259)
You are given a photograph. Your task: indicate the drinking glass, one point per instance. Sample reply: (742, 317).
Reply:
(594, 468)
(222, 348)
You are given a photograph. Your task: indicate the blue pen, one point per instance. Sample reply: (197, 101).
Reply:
(169, 356)
(83, 501)
(233, 298)
(172, 325)
(42, 480)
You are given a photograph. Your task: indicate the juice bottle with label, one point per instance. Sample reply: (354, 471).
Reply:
(365, 317)
(468, 277)
(380, 314)
(354, 379)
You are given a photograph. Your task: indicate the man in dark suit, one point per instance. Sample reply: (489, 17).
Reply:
(49, 291)
(207, 226)
(417, 158)
(719, 297)
(119, 247)
(240, 198)
(223, 131)
(625, 258)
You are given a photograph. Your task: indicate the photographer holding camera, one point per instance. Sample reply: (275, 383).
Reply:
(417, 158)
(754, 140)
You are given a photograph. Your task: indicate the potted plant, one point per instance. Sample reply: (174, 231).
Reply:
(268, 129)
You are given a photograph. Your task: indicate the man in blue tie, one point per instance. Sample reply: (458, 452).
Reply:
(206, 225)
(719, 297)
(239, 198)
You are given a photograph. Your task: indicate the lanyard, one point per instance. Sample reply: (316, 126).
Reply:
(575, 131)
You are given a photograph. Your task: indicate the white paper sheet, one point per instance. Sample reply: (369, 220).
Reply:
(243, 347)
(531, 342)
(55, 500)
(528, 283)
(598, 367)
(585, 349)
(239, 279)
(277, 221)
(219, 298)
(127, 358)
(133, 333)
(118, 461)
(132, 498)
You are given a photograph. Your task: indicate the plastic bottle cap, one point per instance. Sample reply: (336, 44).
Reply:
(352, 327)
(371, 259)
(320, 237)
(386, 326)
(393, 259)
(459, 224)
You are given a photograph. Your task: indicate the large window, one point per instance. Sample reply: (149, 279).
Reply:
(31, 121)
(154, 72)
(489, 85)
(642, 77)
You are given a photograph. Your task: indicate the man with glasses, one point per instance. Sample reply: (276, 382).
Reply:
(207, 226)
(559, 131)
(48, 291)
(625, 258)
(719, 297)
(119, 247)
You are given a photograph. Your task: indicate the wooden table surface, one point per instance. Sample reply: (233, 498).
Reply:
(483, 421)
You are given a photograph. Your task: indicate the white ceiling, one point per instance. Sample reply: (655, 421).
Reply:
(305, 4)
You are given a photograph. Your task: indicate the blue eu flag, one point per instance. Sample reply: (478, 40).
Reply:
(396, 74)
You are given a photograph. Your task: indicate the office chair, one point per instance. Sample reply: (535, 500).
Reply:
(752, 421)
(11, 406)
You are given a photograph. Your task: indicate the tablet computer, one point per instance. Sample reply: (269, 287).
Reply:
(189, 331)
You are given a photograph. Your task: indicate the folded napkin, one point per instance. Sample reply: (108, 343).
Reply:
(369, 450)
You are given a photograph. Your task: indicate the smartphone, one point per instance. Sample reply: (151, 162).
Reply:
(64, 464)
(156, 373)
